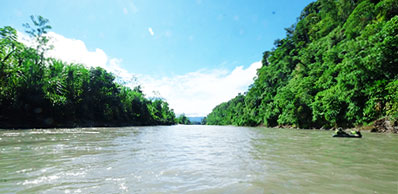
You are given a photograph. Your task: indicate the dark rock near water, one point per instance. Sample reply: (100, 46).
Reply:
(385, 125)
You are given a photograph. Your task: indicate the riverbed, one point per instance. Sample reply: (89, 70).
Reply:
(195, 159)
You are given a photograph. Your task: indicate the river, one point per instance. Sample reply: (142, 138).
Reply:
(195, 159)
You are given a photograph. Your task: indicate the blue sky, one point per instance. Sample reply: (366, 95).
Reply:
(166, 42)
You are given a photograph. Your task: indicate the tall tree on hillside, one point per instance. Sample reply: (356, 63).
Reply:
(38, 32)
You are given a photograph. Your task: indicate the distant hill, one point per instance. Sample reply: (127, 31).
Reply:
(196, 120)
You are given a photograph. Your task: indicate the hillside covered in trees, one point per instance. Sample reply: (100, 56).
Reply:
(36, 91)
(337, 66)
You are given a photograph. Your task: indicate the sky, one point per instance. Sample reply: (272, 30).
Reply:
(193, 53)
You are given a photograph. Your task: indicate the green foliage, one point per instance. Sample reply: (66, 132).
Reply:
(161, 112)
(359, 18)
(392, 99)
(182, 119)
(42, 92)
(387, 9)
(38, 31)
(337, 66)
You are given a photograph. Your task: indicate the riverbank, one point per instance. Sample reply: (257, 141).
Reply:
(383, 125)
(83, 124)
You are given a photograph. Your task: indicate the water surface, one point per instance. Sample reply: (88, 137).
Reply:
(195, 159)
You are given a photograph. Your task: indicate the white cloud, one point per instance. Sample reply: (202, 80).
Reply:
(75, 51)
(151, 31)
(197, 93)
(194, 93)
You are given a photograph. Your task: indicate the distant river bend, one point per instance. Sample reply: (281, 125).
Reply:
(195, 159)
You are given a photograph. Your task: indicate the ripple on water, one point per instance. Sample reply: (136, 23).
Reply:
(195, 159)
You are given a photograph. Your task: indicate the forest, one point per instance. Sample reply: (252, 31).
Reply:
(336, 67)
(38, 91)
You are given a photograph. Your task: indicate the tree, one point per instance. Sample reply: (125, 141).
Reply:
(36, 91)
(337, 66)
(182, 119)
(38, 31)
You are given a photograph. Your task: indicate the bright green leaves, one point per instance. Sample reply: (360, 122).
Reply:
(326, 108)
(182, 119)
(391, 106)
(8, 43)
(362, 15)
(161, 112)
(337, 67)
(55, 85)
(387, 9)
(57, 94)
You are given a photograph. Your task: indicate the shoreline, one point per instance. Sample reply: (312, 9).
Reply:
(383, 125)
(76, 125)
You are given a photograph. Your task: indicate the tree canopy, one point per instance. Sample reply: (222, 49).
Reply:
(337, 66)
(36, 91)
(182, 119)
